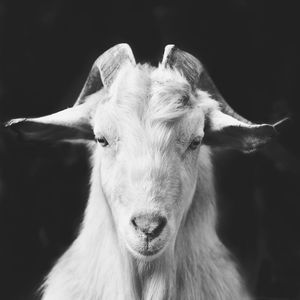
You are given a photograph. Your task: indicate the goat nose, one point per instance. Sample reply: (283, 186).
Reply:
(149, 224)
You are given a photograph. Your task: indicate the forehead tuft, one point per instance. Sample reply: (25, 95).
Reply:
(151, 92)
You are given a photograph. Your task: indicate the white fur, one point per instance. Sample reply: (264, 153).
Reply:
(194, 263)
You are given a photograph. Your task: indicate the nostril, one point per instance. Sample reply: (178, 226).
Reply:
(133, 223)
(149, 224)
(161, 223)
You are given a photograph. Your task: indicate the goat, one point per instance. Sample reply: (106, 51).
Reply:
(149, 229)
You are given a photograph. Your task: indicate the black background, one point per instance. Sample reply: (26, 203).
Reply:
(250, 48)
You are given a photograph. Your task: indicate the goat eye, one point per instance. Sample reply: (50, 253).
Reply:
(195, 143)
(102, 141)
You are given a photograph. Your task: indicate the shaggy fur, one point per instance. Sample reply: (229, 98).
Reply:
(154, 111)
(98, 267)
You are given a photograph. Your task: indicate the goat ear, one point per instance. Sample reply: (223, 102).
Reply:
(222, 130)
(70, 124)
(105, 69)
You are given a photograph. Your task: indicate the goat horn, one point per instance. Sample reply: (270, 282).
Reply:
(105, 69)
(197, 76)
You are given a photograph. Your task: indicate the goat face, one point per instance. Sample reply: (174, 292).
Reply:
(149, 124)
(149, 134)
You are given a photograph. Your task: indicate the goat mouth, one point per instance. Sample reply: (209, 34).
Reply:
(146, 254)
(149, 252)
(146, 251)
